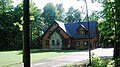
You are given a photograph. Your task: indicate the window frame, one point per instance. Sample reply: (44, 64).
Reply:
(81, 32)
(53, 42)
(86, 43)
(47, 42)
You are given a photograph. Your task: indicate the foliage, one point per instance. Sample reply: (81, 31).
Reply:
(107, 34)
(11, 25)
(36, 26)
(98, 62)
(9, 34)
(117, 61)
(109, 28)
(49, 13)
(107, 24)
(72, 15)
(110, 22)
(60, 12)
(95, 16)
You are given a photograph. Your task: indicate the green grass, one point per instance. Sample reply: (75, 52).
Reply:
(8, 58)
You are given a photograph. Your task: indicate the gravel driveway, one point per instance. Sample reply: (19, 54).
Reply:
(75, 57)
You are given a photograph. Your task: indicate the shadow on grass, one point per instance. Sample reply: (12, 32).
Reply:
(44, 51)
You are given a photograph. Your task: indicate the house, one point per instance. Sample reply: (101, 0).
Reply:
(70, 36)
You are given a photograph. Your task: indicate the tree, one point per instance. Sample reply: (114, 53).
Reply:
(49, 13)
(72, 15)
(117, 31)
(108, 30)
(36, 25)
(111, 14)
(60, 12)
(95, 16)
(11, 24)
(5, 12)
(9, 33)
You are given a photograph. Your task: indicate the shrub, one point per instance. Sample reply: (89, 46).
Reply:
(98, 62)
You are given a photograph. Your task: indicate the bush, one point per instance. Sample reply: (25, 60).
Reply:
(117, 62)
(98, 62)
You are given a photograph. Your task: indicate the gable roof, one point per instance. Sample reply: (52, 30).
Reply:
(81, 25)
(71, 28)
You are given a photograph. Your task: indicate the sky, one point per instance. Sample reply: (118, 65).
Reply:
(66, 4)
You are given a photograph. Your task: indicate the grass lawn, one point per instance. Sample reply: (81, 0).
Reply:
(9, 58)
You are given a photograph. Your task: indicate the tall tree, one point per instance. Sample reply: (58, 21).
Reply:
(117, 31)
(95, 16)
(72, 15)
(60, 12)
(106, 26)
(36, 25)
(111, 24)
(5, 12)
(9, 33)
(49, 13)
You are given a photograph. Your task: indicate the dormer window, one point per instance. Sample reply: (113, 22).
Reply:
(81, 32)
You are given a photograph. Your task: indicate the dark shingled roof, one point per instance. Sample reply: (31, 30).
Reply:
(71, 28)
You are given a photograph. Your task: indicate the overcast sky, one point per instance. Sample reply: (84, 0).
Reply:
(66, 4)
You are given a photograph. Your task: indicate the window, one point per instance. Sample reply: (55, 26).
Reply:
(58, 42)
(50, 32)
(53, 42)
(81, 32)
(78, 43)
(47, 42)
(85, 43)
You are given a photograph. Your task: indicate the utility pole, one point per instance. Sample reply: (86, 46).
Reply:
(90, 63)
(26, 45)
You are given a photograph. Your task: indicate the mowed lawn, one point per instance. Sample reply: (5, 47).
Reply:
(9, 58)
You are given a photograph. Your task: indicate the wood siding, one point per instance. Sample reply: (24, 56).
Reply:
(66, 40)
(47, 35)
